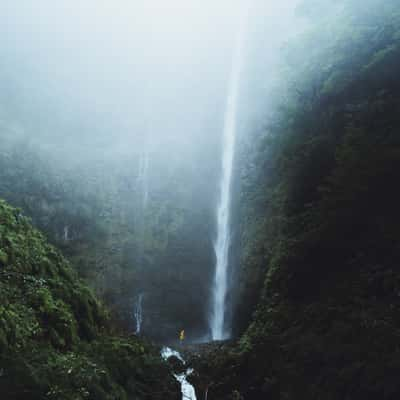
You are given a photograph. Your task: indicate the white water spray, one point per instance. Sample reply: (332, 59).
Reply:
(138, 313)
(219, 330)
(188, 392)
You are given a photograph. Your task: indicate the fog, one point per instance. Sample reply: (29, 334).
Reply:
(125, 101)
(113, 73)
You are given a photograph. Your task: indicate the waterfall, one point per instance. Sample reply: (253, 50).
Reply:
(138, 313)
(66, 233)
(143, 200)
(143, 176)
(219, 330)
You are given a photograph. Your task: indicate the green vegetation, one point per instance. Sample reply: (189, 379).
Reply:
(54, 337)
(319, 243)
(322, 223)
(93, 213)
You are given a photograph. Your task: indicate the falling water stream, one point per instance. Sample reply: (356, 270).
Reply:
(143, 176)
(188, 392)
(219, 330)
(138, 313)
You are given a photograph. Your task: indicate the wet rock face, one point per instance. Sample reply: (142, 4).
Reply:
(209, 362)
(174, 358)
(177, 365)
(94, 215)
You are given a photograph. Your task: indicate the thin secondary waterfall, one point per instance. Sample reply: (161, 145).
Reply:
(219, 330)
(143, 199)
(66, 233)
(143, 176)
(138, 313)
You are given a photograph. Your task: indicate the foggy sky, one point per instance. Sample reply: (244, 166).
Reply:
(117, 74)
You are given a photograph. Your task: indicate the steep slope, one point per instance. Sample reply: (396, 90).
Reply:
(54, 340)
(93, 214)
(323, 209)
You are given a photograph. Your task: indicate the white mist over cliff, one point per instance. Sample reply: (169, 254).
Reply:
(147, 102)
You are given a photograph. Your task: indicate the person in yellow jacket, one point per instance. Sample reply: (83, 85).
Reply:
(182, 335)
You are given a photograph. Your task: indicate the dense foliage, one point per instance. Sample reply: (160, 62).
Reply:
(322, 221)
(93, 213)
(318, 242)
(54, 339)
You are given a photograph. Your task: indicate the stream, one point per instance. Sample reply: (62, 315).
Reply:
(188, 392)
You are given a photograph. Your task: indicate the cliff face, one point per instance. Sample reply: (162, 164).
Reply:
(320, 222)
(94, 214)
(316, 243)
(54, 337)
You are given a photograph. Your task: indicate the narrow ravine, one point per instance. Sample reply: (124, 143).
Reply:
(188, 392)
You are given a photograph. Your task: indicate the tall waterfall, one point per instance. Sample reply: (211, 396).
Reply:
(219, 330)
(138, 313)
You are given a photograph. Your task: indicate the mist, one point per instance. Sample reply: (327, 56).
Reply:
(120, 109)
(115, 74)
(199, 199)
